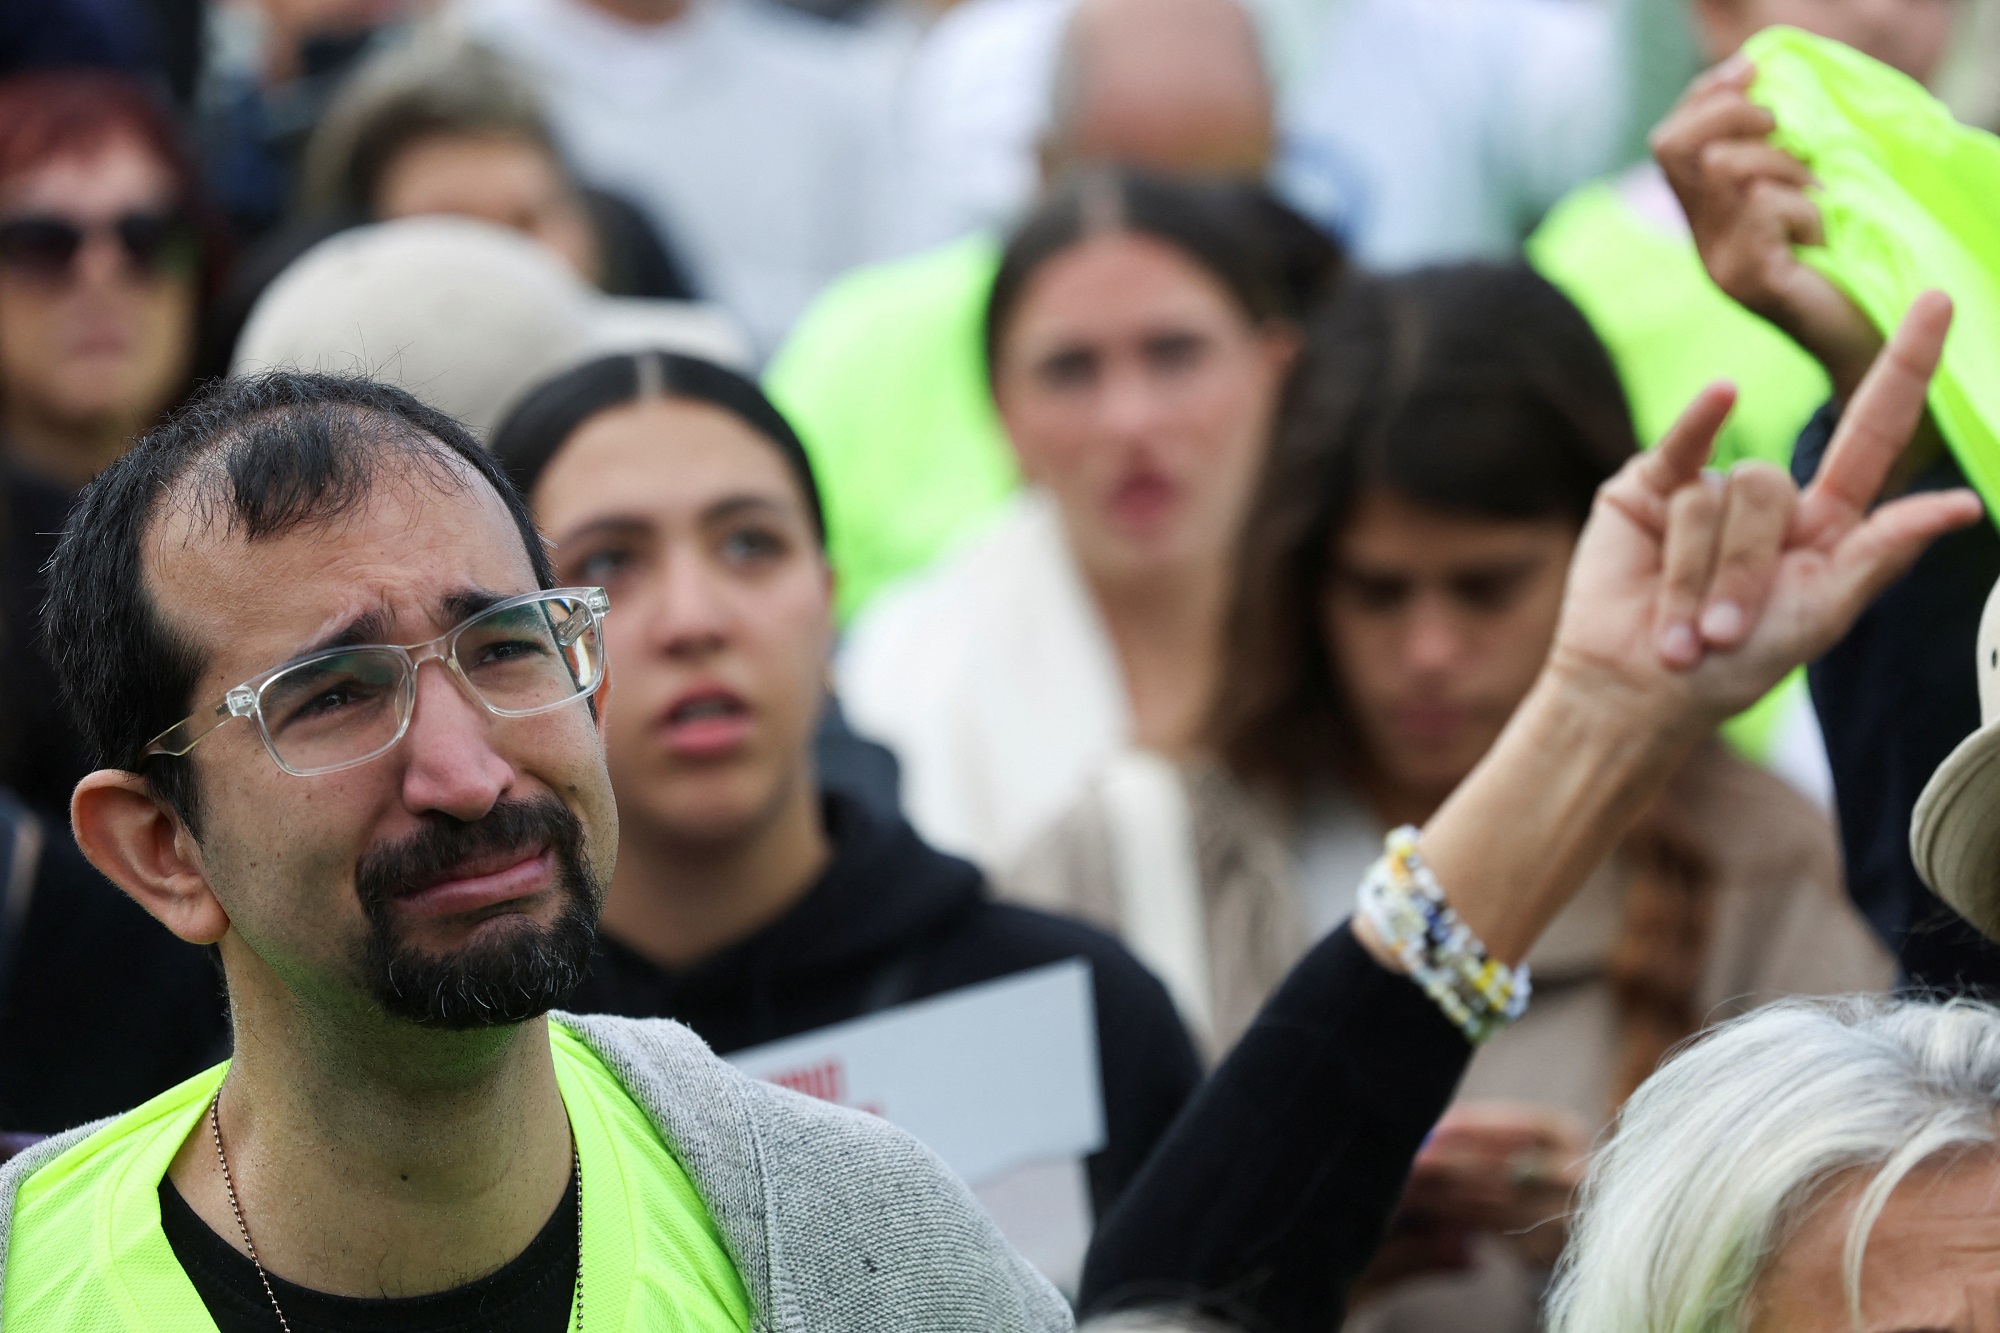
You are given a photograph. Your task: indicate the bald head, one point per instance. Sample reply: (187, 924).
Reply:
(1173, 85)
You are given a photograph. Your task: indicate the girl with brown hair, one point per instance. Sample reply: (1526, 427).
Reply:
(1396, 594)
(1138, 339)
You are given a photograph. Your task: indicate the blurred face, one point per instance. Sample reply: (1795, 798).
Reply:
(1175, 86)
(494, 177)
(721, 622)
(1437, 625)
(454, 880)
(1932, 1264)
(102, 339)
(1910, 35)
(1139, 394)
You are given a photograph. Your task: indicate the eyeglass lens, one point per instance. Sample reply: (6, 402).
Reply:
(46, 245)
(343, 707)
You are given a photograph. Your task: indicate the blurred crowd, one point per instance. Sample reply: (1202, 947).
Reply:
(1071, 476)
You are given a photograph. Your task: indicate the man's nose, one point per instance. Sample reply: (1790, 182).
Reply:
(450, 763)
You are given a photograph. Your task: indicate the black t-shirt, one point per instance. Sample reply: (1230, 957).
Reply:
(1275, 1186)
(532, 1294)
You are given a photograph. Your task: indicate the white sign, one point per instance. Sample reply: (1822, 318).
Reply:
(999, 1079)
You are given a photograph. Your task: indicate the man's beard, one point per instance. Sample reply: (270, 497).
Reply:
(523, 969)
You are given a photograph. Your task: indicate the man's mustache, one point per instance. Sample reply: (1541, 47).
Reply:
(431, 854)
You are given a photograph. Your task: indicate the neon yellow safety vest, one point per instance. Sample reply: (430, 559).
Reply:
(86, 1253)
(884, 379)
(1670, 330)
(1910, 200)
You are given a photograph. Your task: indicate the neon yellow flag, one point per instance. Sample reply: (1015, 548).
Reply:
(1911, 200)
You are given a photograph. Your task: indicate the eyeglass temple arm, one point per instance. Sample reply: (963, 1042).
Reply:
(181, 737)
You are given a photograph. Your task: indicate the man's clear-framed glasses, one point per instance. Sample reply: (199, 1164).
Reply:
(340, 707)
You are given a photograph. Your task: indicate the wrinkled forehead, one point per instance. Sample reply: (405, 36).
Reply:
(401, 555)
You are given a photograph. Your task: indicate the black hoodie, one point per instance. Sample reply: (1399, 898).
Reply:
(891, 920)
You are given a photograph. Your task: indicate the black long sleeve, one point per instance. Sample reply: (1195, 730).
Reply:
(1893, 697)
(1275, 1186)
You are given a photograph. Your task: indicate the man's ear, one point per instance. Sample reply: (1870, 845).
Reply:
(138, 843)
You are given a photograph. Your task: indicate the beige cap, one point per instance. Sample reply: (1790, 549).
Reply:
(1955, 834)
(466, 315)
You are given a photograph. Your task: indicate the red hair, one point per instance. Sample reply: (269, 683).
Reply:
(48, 115)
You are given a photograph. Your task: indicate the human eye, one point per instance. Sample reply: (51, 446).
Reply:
(753, 544)
(1377, 594)
(602, 566)
(503, 639)
(1070, 368)
(1175, 351)
(320, 693)
(510, 642)
(1490, 590)
(512, 649)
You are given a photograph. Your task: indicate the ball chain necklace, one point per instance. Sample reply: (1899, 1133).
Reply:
(243, 1229)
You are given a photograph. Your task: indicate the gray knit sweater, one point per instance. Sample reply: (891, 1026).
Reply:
(837, 1221)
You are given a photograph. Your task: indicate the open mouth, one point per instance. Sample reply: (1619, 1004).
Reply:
(703, 707)
(1144, 498)
(706, 723)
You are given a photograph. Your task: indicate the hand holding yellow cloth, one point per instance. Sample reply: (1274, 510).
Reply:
(1910, 200)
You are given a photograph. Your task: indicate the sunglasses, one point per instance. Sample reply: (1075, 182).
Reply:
(45, 245)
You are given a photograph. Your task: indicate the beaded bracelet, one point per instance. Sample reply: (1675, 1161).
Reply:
(1406, 905)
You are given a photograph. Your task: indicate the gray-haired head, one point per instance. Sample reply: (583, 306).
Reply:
(1719, 1157)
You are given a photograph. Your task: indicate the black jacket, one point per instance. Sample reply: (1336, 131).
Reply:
(103, 1008)
(893, 920)
(1276, 1185)
(41, 754)
(1893, 698)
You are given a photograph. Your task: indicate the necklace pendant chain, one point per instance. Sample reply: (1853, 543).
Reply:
(243, 1228)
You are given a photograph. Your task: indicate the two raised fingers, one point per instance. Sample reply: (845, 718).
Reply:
(1725, 535)
(1722, 540)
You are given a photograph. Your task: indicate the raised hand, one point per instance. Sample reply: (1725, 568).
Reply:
(1693, 593)
(1746, 203)
(1690, 596)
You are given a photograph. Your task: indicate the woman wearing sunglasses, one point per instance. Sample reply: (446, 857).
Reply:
(102, 275)
(103, 269)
